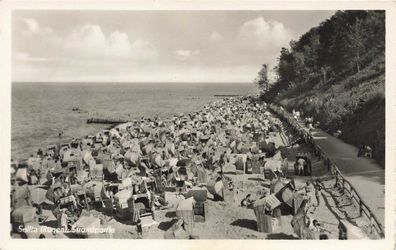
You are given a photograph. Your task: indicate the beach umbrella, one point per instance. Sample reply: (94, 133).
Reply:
(71, 155)
(274, 165)
(183, 131)
(270, 201)
(136, 149)
(136, 180)
(91, 163)
(148, 148)
(20, 196)
(13, 171)
(125, 144)
(254, 148)
(21, 174)
(47, 162)
(23, 214)
(216, 187)
(131, 157)
(124, 126)
(170, 147)
(38, 196)
(94, 189)
(299, 221)
(114, 133)
(183, 162)
(50, 194)
(172, 162)
(186, 205)
(217, 155)
(277, 156)
(144, 142)
(147, 129)
(158, 160)
(32, 160)
(242, 147)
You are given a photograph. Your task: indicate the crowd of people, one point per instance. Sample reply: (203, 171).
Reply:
(144, 157)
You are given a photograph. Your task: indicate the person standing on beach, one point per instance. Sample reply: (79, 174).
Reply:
(318, 192)
(222, 162)
(309, 193)
(139, 229)
(152, 201)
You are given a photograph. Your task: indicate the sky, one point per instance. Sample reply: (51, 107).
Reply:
(151, 46)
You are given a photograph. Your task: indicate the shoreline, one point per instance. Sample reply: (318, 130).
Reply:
(111, 126)
(40, 112)
(236, 143)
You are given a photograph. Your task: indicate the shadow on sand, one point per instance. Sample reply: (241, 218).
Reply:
(50, 223)
(245, 223)
(164, 226)
(255, 179)
(281, 236)
(170, 214)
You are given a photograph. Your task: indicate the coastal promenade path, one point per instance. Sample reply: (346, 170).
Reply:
(366, 175)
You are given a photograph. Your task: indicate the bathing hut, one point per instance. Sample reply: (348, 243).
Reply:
(200, 208)
(221, 189)
(267, 220)
(23, 216)
(348, 231)
(202, 175)
(240, 163)
(121, 200)
(96, 171)
(185, 211)
(94, 191)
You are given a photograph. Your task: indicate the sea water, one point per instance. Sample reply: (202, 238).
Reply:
(41, 111)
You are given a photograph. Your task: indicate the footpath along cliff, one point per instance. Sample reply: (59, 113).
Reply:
(335, 73)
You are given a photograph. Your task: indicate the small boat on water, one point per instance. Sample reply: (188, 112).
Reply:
(76, 109)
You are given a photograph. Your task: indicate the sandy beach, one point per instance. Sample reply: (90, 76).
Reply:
(213, 150)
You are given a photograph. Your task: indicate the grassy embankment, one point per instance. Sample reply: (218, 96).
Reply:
(336, 73)
(355, 105)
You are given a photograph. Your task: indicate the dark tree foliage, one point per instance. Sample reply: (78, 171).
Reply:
(336, 73)
(339, 46)
(262, 79)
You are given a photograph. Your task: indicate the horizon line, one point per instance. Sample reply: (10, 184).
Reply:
(128, 82)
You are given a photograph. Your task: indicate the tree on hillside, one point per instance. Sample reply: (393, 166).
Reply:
(286, 68)
(330, 68)
(356, 42)
(262, 79)
(344, 44)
